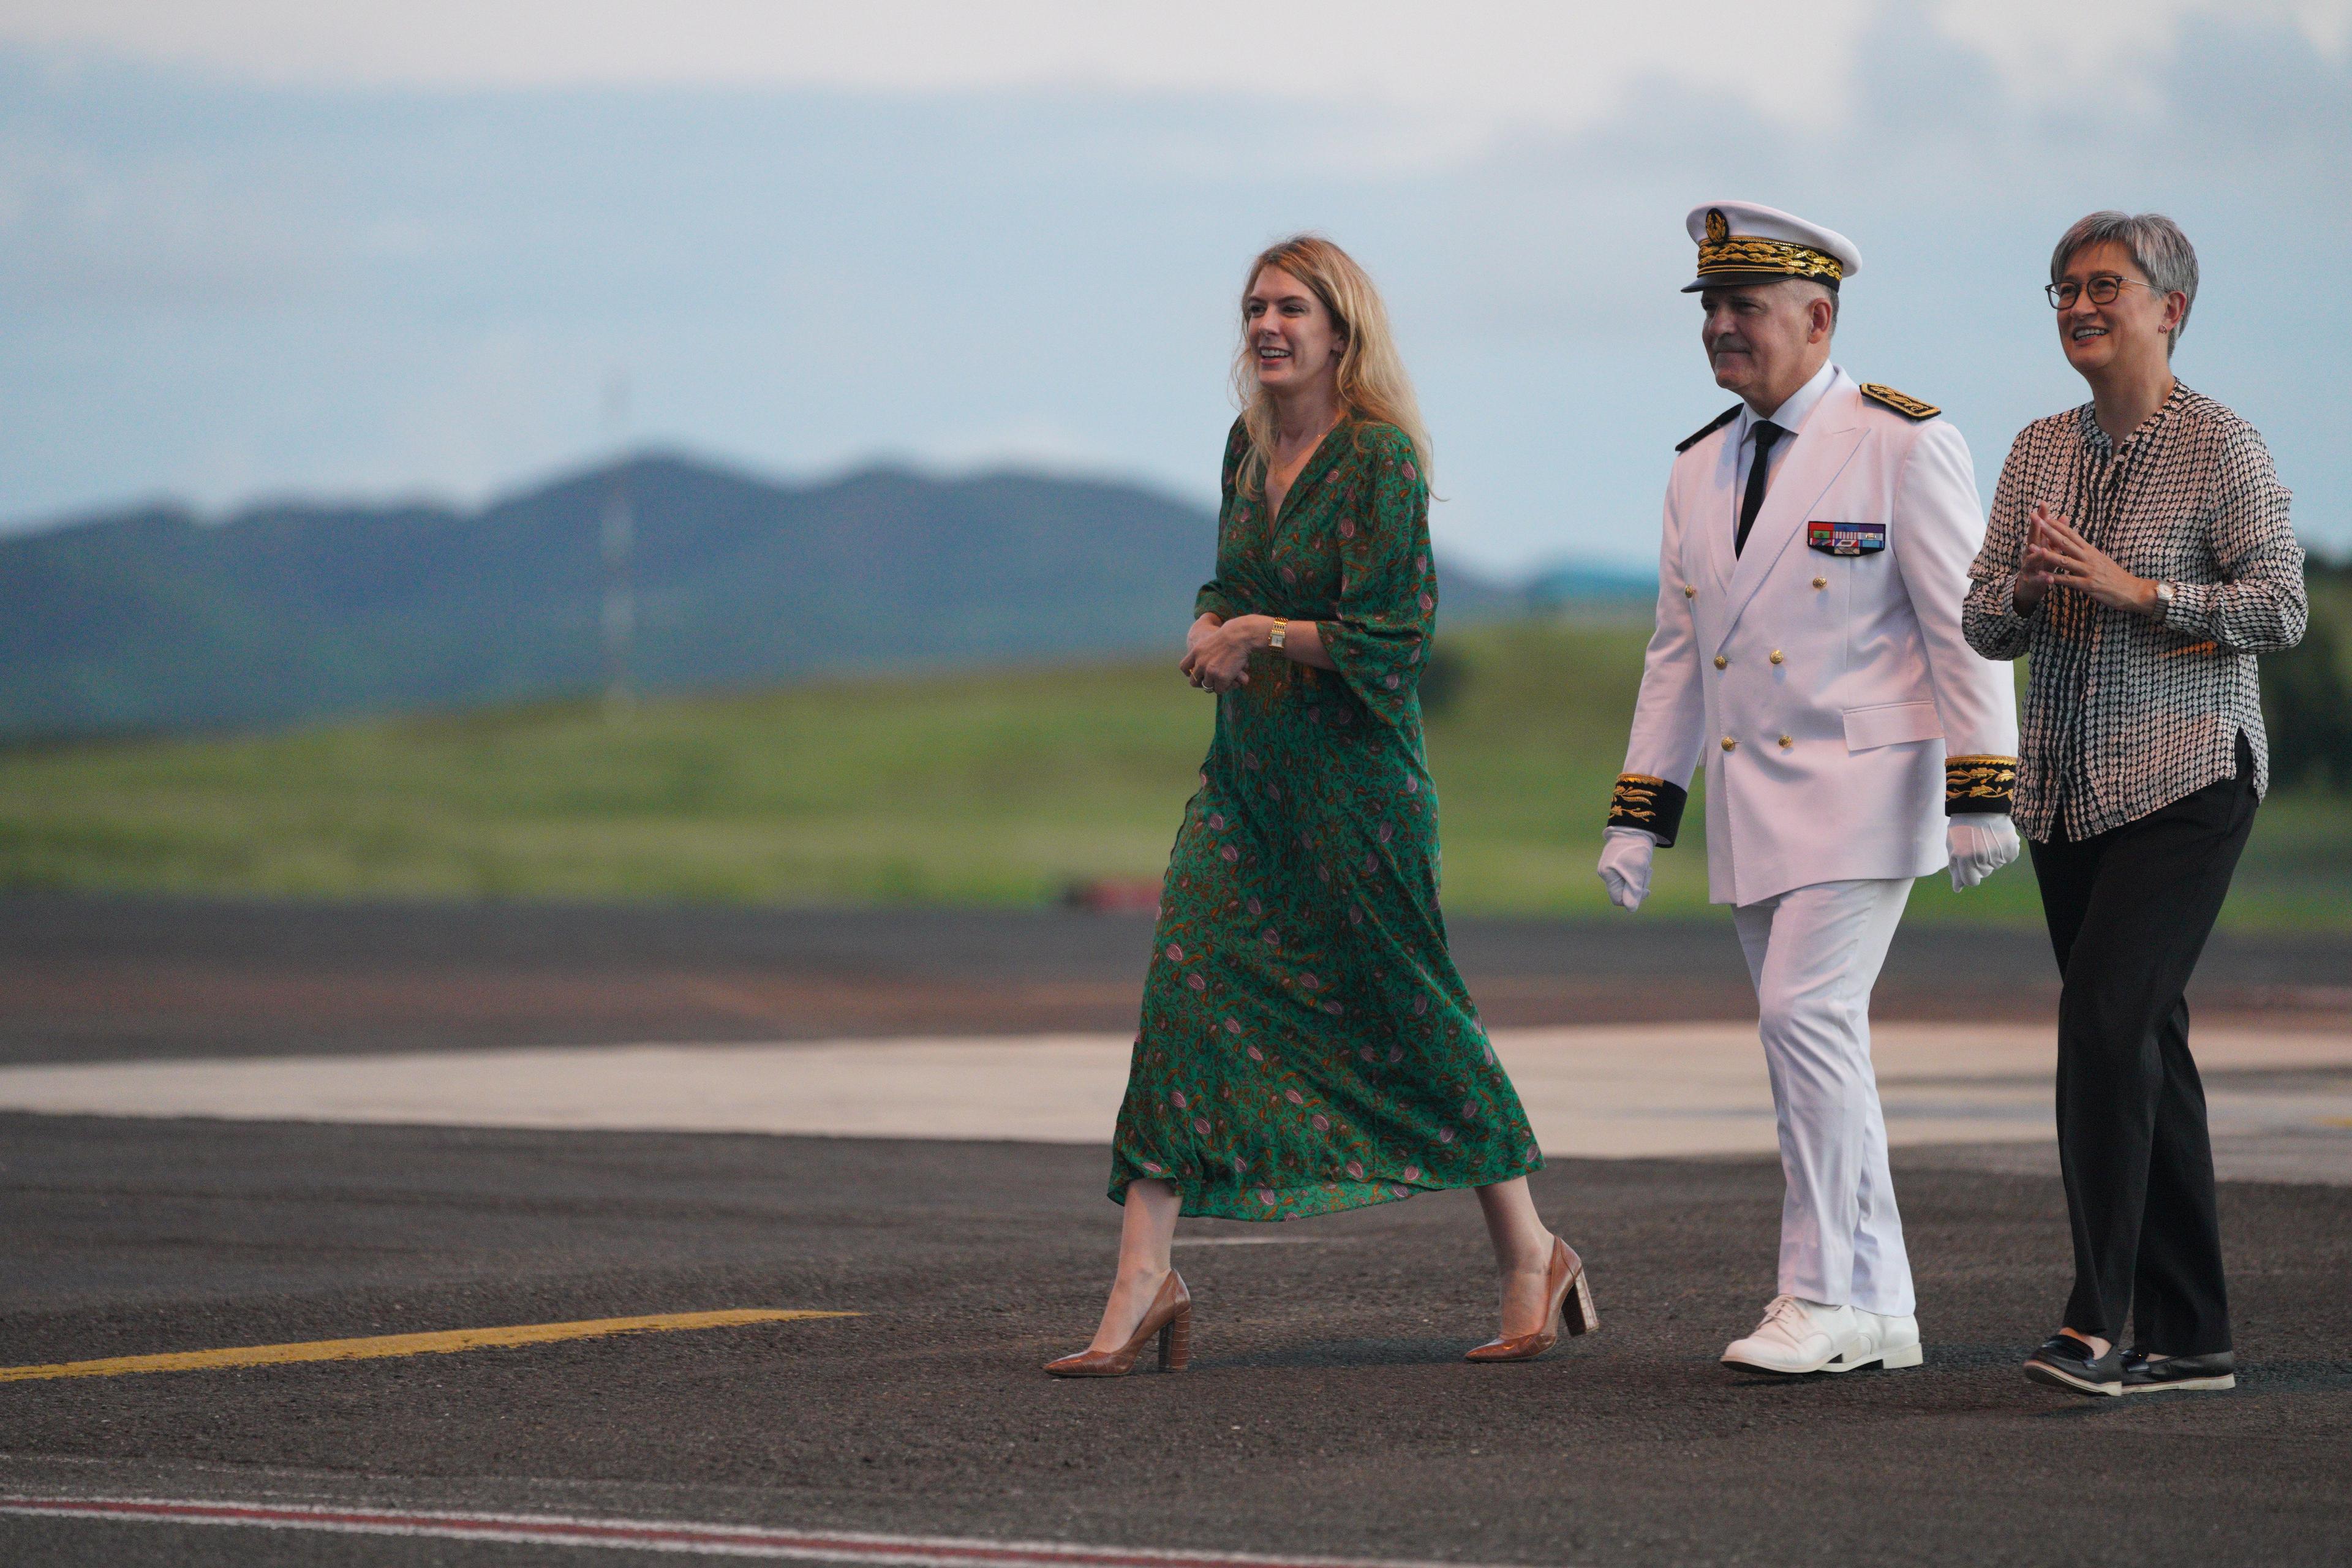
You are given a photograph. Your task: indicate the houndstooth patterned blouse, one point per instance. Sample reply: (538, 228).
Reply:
(2125, 714)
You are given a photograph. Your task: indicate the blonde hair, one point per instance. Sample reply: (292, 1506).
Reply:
(1373, 384)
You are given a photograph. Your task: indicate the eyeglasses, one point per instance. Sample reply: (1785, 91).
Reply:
(2103, 289)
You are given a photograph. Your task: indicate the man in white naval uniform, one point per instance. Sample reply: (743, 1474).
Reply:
(1818, 537)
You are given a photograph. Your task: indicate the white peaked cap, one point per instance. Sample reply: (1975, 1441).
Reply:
(1744, 242)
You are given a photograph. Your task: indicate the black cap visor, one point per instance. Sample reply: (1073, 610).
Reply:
(1741, 279)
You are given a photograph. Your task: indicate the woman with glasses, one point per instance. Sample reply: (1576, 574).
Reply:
(2139, 553)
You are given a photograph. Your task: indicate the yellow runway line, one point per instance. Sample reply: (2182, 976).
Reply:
(379, 1345)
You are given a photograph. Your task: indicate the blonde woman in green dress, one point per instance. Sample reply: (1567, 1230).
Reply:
(1306, 1045)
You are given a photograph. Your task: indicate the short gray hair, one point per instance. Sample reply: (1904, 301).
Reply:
(2157, 249)
(1808, 290)
(1832, 295)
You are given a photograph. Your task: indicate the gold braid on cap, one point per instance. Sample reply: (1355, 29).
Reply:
(1978, 784)
(1768, 256)
(1640, 801)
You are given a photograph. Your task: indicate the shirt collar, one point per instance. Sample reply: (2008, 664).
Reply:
(1791, 416)
(2094, 434)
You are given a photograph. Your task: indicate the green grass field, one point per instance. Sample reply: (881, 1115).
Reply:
(997, 788)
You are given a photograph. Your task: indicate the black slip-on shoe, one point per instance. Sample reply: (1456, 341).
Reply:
(2066, 1362)
(2143, 1375)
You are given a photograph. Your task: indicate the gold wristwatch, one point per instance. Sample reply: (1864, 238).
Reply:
(1281, 630)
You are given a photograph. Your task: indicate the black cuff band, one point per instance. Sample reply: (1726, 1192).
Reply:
(1651, 805)
(1979, 785)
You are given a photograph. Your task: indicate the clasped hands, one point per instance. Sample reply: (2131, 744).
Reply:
(2057, 556)
(1216, 653)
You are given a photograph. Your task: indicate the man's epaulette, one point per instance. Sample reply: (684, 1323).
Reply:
(1902, 403)
(1709, 428)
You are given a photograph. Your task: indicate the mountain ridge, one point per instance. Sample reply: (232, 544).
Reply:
(282, 612)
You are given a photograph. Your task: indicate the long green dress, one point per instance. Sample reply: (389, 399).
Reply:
(1307, 1044)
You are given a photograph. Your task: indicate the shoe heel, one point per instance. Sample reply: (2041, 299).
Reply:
(1577, 1315)
(1176, 1342)
(1909, 1355)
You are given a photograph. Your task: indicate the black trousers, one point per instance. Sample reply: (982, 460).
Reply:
(2129, 910)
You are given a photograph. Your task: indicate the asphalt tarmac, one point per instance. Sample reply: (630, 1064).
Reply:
(85, 979)
(1327, 1411)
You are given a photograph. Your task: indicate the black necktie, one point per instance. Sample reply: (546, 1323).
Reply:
(1758, 469)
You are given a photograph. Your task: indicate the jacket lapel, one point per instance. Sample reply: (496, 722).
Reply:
(1722, 528)
(1820, 455)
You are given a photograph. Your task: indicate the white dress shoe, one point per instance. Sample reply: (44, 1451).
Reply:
(1797, 1336)
(1880, 1340)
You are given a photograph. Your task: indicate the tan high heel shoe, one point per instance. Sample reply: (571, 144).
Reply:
(1169, 1316)
(1568, 1307)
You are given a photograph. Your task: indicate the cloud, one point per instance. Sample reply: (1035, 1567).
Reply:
(217, 285)
(1476, 66)
(2045, 52)
(80, 226)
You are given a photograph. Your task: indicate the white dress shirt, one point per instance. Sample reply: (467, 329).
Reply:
(1789, 417)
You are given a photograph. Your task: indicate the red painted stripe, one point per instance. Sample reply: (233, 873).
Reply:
(894, 1551)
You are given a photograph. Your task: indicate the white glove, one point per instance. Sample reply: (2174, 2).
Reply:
(1980, 843)
(1625, 864)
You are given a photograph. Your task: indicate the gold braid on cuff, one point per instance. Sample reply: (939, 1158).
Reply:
(1650, 804)
(1978, 784)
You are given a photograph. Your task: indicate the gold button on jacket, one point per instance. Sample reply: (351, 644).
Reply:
(1720, 662)
(1730, 745)
(1818, 582)
(1776, 656)
(1689, 591)
(1786, 743)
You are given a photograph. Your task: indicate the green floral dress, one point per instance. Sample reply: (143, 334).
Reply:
(1306, 1045)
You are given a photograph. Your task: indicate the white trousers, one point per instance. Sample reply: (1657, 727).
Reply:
(1814, 953)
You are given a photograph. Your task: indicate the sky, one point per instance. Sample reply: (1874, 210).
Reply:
(259, 248)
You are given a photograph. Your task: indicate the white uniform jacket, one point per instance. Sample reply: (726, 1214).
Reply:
(1821, 676)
